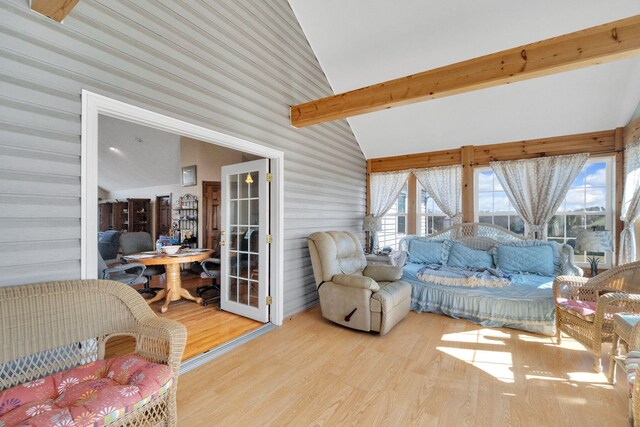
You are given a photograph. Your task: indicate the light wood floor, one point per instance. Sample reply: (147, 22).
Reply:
(429, 370)
(207, 327)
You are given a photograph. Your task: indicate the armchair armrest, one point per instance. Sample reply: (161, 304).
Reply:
(615, 302)
(162, 340)
(383, 273)
(634, 343)
(209, 263)
(629, 302)
(355, 281)
(107, 272)
(573, 287)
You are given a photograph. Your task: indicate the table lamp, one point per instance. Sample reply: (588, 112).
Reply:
(371, 225)
(594, 241)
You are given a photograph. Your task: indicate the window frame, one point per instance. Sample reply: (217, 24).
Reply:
(393, 213)
(476, 212)
(419, 215)
(610, 213)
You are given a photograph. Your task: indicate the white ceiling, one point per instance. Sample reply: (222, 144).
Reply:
(363, 42)
(143, 156)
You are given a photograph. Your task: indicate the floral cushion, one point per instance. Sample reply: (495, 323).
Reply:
(94, 394)
(631, 364)
(585, 310)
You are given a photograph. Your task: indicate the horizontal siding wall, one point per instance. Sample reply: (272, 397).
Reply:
(232, 66)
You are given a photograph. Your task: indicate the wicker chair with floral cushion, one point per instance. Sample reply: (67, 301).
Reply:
(53, 369)
(585, 307)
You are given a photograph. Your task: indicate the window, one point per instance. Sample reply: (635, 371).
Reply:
(588, 204)
(492, 204)
(430, 218)
(393, 226)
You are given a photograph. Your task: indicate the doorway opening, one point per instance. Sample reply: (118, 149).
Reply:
(165, 214)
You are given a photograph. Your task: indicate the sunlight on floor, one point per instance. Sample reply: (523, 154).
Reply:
(481, 336)
(499, 363)
(495, 363)
(588, 377)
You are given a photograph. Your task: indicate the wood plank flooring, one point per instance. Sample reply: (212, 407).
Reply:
(207, 327)
(429, 370)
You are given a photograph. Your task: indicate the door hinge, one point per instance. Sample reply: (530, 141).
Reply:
(269, 239)
(269, 300)
(269, 177)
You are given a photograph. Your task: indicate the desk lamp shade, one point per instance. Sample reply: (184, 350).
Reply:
(372, 225)
(594, 241)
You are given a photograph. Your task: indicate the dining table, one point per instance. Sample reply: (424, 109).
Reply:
(173, 290)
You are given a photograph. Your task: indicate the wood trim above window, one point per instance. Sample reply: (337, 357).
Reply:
(594, 143)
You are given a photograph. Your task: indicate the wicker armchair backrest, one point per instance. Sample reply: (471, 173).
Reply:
(49, 327)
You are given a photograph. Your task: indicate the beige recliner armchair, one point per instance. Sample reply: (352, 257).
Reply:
(368, 298)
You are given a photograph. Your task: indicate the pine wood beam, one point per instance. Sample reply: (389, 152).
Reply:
(604, 43)
(54, 9)
(412, 193)
(466, 158)
(619, 180)
(631, 132)
(595, 143)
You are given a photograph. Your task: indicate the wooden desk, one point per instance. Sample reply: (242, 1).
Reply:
(173, 290)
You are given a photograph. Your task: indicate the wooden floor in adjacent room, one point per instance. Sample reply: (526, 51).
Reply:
(429, 370)
(207, 327)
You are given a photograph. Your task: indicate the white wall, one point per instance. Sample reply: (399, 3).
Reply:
(209, 160)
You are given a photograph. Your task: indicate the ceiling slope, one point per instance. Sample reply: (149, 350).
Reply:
(363, 42)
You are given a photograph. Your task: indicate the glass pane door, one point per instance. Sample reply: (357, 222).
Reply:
(245, 196)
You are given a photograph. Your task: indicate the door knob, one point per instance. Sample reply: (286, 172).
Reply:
(221, 242)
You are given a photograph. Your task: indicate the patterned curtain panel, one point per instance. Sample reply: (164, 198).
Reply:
(536, 187)
(630, 203)
(444, 186)
(385, 188)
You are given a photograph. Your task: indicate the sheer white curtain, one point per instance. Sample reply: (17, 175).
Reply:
(385, 188)
(630, 202)
(536, 187)
(444, 185)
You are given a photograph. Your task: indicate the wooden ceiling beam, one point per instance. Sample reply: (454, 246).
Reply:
(54, 9)
(595, 45)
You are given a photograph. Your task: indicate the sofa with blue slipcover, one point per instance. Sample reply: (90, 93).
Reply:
(488, 275)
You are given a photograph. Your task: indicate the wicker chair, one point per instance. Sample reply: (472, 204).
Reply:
(631, 363)
(615, 291)
(50, 327)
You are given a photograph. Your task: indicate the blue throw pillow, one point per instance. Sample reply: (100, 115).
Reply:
(462, 256)
(424, 251)
(527, 257)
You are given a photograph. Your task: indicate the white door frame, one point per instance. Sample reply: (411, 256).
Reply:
(94, 105)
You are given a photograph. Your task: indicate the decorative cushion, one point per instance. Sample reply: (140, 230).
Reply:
(425, 251)
(631, 364)
(529, 257)
(585, 310)
(462, 256)
(93, 394)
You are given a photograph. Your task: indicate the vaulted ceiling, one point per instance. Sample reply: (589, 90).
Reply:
(363, 42)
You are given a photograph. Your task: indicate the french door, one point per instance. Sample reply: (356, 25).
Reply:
(244, 246)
